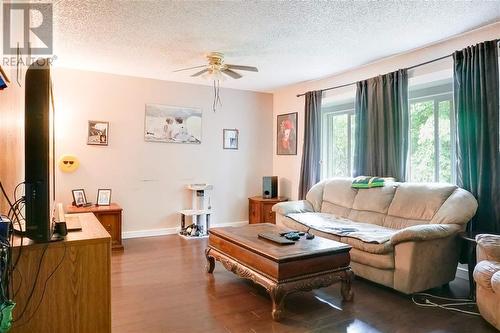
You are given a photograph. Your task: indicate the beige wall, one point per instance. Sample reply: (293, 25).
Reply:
(11, 137)
(285, 100)
(148, 178)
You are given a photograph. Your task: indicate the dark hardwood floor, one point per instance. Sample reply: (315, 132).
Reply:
(159, 285)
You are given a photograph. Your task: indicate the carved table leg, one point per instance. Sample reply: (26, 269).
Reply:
(345, 288)
(210, 261)
(277, 297)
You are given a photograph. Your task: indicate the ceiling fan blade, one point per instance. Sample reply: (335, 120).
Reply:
(200, 72)
(185, 69)
(243, 68)
(231, 73)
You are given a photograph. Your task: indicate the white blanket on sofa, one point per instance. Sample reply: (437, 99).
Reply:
(342, 227)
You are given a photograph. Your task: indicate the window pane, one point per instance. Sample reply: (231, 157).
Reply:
(353, 140)
(444, 141)
(337, 145)
(422, 159)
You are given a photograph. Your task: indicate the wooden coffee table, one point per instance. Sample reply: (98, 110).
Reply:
(280, 269)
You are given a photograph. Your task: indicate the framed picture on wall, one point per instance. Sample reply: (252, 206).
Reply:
(172, 124)
(286, 136)
(79, 198)
(103, 197)
(230, 138)
(98, 132)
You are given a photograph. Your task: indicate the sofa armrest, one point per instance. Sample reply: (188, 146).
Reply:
(423, 232)
(488, 247)
(289, 207)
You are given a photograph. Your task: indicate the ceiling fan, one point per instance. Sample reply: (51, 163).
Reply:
(216, 67)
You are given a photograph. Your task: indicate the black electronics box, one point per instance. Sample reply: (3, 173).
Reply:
(269, 187)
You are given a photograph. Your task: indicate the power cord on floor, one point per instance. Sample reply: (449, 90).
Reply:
(446, 306)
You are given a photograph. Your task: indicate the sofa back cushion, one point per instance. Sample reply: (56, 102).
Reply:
(371, 205)
(419, 201)
(338, 196)
(376, 199)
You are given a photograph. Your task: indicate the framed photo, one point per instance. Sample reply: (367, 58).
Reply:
(173, 124)
(79, 197)
(286, 136)
(230, 138)
(103, 197)
(98, 133)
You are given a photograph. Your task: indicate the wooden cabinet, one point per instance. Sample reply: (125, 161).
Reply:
(109, 216)
(64, 286)
(260, 209)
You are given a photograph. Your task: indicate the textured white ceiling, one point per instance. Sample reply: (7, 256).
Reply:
(288, 41)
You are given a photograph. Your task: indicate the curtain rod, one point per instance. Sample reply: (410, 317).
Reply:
(414, 66)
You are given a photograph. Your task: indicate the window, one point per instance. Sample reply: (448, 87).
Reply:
(431, 137)
(431, 156)
(337, 147)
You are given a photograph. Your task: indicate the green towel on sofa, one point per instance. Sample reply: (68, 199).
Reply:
(369, 182)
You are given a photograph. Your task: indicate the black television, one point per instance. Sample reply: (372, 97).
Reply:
(39, 147)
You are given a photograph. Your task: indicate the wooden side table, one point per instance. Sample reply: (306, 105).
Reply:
(260, 209)
(470, 247)
(109, 216)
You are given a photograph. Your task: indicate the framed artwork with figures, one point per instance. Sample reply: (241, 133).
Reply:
(79, 198)
(172, 124)
(286, 136)
(98, 132)
(103, 197)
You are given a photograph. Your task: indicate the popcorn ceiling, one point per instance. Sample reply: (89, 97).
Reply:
(289, 42)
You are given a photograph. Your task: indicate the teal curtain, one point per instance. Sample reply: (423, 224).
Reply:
(381, 131)
(476, 93)
(310, 171)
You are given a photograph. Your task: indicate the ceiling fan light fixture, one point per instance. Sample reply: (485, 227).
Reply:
(214, 75)
(217, 71)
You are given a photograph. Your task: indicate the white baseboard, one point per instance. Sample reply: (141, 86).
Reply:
(172, 231)
(150, 233)
(462, 273)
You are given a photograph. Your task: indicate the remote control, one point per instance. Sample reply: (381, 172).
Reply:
(276, 238)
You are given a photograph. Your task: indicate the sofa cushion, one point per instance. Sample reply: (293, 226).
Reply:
(331, 208)
(315, 195)
(366, 217)
(495, 282)
(394, 222)
(419, 201)
(488, 247)
(425, 232)
(484, 271)
(374, 248)
(372, 238)
(459, 208)
(338, 191)
(375, 199)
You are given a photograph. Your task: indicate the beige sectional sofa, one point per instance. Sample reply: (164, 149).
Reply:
(403, 235)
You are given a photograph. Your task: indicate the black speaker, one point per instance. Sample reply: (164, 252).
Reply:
(38, 152)
(269, 187)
